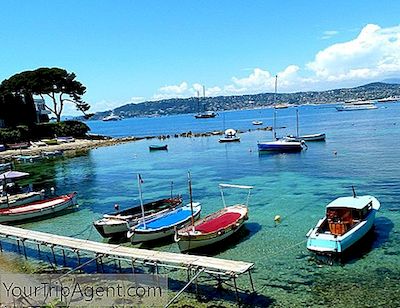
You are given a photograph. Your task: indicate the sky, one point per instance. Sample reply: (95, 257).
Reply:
(130, 51)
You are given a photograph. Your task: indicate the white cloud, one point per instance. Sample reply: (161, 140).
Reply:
(371, 56)
(374, 53)
(329, 33)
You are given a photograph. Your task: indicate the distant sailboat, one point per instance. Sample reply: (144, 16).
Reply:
(279, 145)
(204, 114)
(311, 137)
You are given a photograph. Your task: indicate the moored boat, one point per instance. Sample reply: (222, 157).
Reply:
(255, 122)
(37, 209)
(164, 224)
(117, 224)
(356, 105)
(346, 221)
(155, 147)
(281, 145)
(310, 137)
(20, 199)
(230, 135)
(216, 226)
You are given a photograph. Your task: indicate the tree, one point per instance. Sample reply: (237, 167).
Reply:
(55, 83)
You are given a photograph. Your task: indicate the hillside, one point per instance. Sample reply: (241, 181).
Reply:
(370, 91)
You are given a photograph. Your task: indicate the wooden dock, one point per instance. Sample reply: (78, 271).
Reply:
(192, 263)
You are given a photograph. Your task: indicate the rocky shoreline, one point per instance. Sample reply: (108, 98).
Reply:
(91, 143)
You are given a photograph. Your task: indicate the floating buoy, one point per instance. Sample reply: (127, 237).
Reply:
(116, 207)
(277, 218)
(334, 152)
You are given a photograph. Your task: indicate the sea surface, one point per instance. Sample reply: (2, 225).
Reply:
(362, 149)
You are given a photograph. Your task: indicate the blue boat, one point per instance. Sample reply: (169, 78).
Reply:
(164, 225)
(346, 221)
(280, 145)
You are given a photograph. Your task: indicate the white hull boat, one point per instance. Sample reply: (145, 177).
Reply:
(37, 209)
(20, 199)
(163, 225)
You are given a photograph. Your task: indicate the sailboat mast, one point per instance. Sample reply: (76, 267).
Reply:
(274, 123)
(297, 122)
(191, 197)
(139, 178)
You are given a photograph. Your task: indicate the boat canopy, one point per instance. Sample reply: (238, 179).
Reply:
(235, 186)
(357, 203)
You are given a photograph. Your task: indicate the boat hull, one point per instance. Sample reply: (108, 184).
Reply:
(37, 209)
(20, 199)
(140, 235)
(187, 240)
(229, 139)
(280, 147)
(330, 244)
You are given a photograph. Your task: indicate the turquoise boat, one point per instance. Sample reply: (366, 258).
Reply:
(346, 221)
(164, 225)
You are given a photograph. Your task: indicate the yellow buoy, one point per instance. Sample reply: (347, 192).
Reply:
(277, 218)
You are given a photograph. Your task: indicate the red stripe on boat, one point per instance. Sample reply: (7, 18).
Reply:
(218, 223)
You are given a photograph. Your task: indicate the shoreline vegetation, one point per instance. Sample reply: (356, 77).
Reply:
(94, 141)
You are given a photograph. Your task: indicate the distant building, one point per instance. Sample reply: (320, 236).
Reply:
(42, 114)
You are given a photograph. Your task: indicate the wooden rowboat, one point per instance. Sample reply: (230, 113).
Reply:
(214, 227)
(37, 209)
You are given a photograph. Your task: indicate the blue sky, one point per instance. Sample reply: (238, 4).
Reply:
(131, 51)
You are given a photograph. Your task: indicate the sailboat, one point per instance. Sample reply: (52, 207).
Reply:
(204, 114)
(163, 224)
(311, 137)
(216, 226)
(279, 145)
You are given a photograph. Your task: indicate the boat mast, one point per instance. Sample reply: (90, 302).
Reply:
(139, 178)
(191, 197)
(5, 189)
(172, 188)
(297, 122)
(274, 124)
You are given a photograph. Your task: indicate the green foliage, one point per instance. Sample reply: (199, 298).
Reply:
(21, 133)
(59, 85)
(68, 128)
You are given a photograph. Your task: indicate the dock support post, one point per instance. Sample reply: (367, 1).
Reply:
(79, 257)
(54, 255)
(133, 266)
(101, 264)
(19, 248)
(236, 289)
(119, 266)
(64, 259)
(1, 247)
(38, 248)
(23, 246)
(251, 282)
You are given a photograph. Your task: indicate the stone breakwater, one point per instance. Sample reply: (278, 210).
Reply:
(86, 144)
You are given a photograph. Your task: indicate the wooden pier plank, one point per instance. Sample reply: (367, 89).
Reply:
(143, 255)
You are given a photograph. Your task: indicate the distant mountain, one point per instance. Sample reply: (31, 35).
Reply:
(371, 91)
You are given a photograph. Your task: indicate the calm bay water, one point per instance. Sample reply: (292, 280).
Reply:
(295, 186)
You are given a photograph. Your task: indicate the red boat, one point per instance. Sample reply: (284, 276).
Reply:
(38, 209)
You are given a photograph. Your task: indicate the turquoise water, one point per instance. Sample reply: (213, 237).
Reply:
(295, 186)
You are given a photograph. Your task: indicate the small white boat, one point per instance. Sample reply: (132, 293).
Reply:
(37, 209)
(230, 135)
(346, 221)
(20, 199)
(257, 122)
(310, 137)
(216, 226)
(28, 158)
